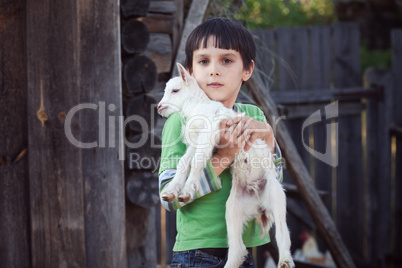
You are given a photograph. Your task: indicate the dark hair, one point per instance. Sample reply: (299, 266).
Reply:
(228, 35)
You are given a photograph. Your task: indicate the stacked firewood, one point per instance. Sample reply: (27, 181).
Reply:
(150, 30)
(150, 33)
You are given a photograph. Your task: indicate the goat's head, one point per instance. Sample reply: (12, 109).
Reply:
(178, 91)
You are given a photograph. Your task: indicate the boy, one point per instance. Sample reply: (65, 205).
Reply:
(220, 55)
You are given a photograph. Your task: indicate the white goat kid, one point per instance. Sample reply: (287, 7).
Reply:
(255, 193)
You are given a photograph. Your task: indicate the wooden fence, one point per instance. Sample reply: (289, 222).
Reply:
(359, 177)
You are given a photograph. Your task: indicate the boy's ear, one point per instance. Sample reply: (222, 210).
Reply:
(247, 73)
(183, 73)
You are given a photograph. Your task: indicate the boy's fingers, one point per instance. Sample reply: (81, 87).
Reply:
(236, 120)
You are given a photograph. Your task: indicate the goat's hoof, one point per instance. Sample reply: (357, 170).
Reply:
(184, 198)
(167, 197)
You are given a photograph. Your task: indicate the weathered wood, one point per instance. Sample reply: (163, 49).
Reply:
(266, 54)
(293, 73)
(141, 152)
(304, 111)
(194, 18)
(163, 7)
(379, 120)
(177, 27)
(159, 23)
(76, 194)
(142, 188)
(350, 169)
(134, 36)
(139, 74)
(302, 178)
(143, 110)
(140, 226)
(397, 111)
(160, 52)
(292, 63)
(135, 8)
(325, 94)
(320, 76)
(14, 184)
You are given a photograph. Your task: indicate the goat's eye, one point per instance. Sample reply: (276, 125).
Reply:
(175, 90)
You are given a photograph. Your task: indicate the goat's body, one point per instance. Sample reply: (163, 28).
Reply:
(255, 193)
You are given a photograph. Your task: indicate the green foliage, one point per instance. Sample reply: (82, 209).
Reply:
(264, 14)
(374, 58)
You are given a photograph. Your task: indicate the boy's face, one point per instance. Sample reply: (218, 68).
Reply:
(219, 72)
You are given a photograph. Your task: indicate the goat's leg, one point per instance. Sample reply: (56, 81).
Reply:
(277, 203)
(235, 219)
(201, 155)
(172, 189)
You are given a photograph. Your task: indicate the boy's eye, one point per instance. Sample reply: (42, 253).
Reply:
(175, 90)
(227, 61)
(203, 62)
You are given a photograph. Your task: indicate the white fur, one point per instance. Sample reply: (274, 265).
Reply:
(255, 194)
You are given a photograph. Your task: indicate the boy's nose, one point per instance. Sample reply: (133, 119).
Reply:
(214, 73)
(214, 69)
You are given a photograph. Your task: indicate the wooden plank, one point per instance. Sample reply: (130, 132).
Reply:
(292, 63)
(141, 233)
(159, 23)
(194, 18)
(320, 37)
(303, 111)
(160, 51)
(163, 7)
(293, 60)
(397, 111)
(76, 194)
(325, 94)
(379, 120)
(349, 171)
(265, 61)
(14, 184)
(177, 27)
(302, 179)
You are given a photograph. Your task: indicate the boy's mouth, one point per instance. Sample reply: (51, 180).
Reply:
(215, 85)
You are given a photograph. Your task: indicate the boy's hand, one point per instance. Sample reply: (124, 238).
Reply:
(232, 137)
(256, 130)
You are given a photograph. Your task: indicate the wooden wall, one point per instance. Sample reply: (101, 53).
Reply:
(61, 205)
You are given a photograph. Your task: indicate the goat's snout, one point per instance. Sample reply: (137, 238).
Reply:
(160, 108)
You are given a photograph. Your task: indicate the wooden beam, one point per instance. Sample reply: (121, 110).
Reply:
(323, 95)
(15, 250)
(302, 178)
(194, 18)
(76, 194)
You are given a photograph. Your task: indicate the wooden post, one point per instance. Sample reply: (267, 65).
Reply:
(14, 191)
(194, 18)
(397, 96)
(76, 194)
(349, 182)
(379, 120)
(302, 179)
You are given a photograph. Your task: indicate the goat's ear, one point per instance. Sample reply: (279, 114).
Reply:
(183, 73)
